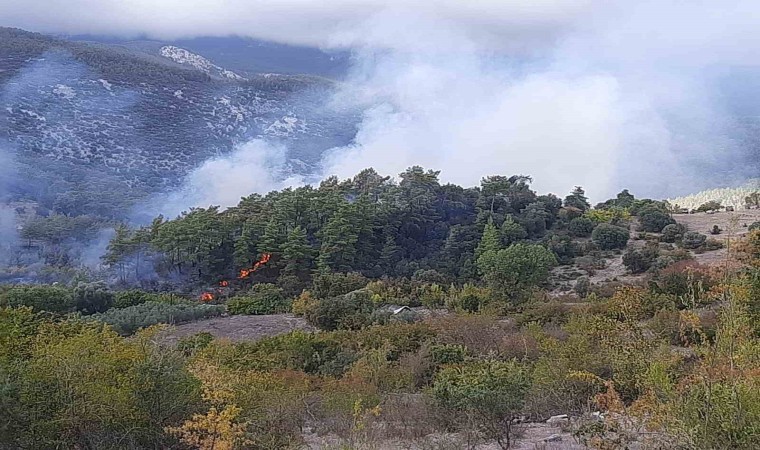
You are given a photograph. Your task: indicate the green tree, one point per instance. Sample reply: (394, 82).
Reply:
(577, 199)
(519, 267)
(490, 240)
(297, 253)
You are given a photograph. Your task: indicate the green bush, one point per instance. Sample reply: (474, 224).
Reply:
(92, 298)
(326, 285)
(491, 393)
(639, 261)
(54, 299)
(653, 219)
(693, 240)
(609, 237)
(350, 311)
(128, 320)
(581, 226)
(755, 226)
(447, 354)
(672, 233)
(125, 299)
(712, 205)
(261, 299)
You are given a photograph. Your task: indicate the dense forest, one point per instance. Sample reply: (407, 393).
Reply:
(438, 317)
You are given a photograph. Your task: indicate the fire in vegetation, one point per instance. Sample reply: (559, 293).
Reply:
(245, 273)
(207, 297)
(224, 283)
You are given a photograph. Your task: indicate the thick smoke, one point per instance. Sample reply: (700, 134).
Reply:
(256, 166)
(607, 94)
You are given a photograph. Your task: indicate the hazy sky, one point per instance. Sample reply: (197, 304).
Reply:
(603, 93)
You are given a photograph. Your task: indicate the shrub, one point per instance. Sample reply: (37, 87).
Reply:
(447, 354)
(672, 233)
(581, 226)
(128, 320)
(639, 261)
(326, 285)
(92, 298)
(469, 298)
(350, 311)
(125, 299)
(609, 237)
(263, 298)
(654, 219)
(490, 393)
(712, 205)
(693, 240)
(755, 226)
(190, 345)
(40, 298)
(582, 286)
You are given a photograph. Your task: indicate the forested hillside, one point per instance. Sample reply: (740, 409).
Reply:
(113, 124)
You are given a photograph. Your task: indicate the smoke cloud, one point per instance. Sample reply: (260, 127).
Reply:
(256, 166)
(606, 94)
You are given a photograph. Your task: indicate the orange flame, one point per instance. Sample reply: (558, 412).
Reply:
(224, 283)
(207, 296)
(245, 273)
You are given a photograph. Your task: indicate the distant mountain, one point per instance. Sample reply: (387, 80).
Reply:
(244, 55)
(87, 121)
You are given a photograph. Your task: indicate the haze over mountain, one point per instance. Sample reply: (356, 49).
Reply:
(656, 96)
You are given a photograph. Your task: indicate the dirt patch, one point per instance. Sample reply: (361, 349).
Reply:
(240, 328)
(734, 226)
(732, 223)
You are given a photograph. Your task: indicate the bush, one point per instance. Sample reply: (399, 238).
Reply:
(326, 285)
(693, 240)
(672, 233)
(712, 205)
(128, 320)
(582, 287)
(92, 298)
(125, 299)
(581, 226)
(653, 219)
(350, 311)
(490, 393)
(639, 261)
(54, 299)
(609, 237)
(755, 226)
(263, 298)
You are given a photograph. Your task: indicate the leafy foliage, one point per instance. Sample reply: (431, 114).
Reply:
(128, 320)
(609, 237)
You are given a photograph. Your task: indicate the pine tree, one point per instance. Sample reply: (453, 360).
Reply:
(296, 252)
(490, 241)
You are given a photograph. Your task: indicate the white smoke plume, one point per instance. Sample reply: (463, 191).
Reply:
(603, 93)
(256, 166)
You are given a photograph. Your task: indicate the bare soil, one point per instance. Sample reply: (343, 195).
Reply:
(734, 226)
(239, 328)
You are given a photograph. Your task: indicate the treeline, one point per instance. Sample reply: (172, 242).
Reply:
(377, 227)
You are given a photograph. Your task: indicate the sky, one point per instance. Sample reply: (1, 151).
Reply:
(606, 94)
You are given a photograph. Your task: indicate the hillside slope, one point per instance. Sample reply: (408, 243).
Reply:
(104, 117)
